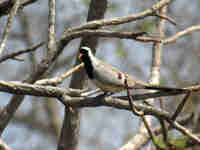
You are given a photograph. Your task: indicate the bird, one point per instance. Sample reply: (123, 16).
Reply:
(109, 78)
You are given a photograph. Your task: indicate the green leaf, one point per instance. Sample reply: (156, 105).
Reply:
(120, 50)
(86, 2)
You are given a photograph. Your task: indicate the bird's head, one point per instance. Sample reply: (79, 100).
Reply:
(85, 54)
(87, 57)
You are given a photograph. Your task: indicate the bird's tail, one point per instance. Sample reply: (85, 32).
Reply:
(138, 84)
(164, 88)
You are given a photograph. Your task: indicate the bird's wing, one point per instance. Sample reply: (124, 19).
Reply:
(108, 74)
(113, 76)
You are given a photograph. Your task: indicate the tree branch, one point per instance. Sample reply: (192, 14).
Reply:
(110, 34)
(76, 102)
(6, 5)
(20, 52)
(121, 20)
(180, 34)
(12, 13)
(36, 90)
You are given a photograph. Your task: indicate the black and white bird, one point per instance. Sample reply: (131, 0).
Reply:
(110, 79)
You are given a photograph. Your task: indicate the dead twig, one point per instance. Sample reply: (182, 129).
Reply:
(180, 34)
(180, 106)
(20, 52)
(172, 21)
(58, 80)
(12, 13)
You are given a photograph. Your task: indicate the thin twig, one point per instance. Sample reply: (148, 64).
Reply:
(151, 133)
(166, 18)
(58, 80)
(20, 52)
(180, 106)
(180, 34)
(121, 104)
(12, 13)
(17, 59)
(120, 20)
(146, 138)
(164, 130)
(130, 99)
(140, 114)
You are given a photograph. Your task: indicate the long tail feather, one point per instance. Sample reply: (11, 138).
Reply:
(164, 88)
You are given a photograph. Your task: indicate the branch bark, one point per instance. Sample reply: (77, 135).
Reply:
(71, 124)
(6, 5)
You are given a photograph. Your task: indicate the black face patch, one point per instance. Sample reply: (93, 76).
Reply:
(87, 62)
(83, 51)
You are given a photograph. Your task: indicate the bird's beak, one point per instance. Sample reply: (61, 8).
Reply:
(80, 55)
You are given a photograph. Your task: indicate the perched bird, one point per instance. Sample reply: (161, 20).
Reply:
(111, 79)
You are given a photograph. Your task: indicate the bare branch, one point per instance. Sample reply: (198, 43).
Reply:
(71, 123)
(145, 137)
(14, 54)
(156, 63)
(6, 5)
(59, 80)
(121, 104)
(121, 20)
(110, 34)
(180, 106)
(180, 34)
(151, 133)
(36, 90)
(12, 13)
(62, 94)
(163, 16)
(15, 87)
(51, 46)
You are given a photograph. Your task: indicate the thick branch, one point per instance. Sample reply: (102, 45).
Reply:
(110, 34)
(36, 90)
(15, 87)
(148, 110)
(22, 88)
(71, 125)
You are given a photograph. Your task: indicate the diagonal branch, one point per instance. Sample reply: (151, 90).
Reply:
(110, 34)
(121, 20)
(12, 13)
(20, 52)
(6, 5)
(181, 34)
